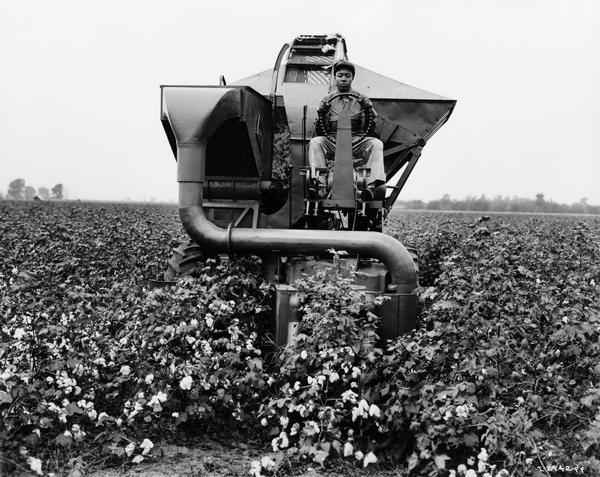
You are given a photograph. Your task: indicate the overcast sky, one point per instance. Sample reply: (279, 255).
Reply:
(79, 86)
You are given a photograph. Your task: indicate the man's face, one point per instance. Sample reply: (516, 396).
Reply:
(343, 79)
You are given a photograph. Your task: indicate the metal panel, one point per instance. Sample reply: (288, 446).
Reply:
(296, 96)
(414, 118)
(286, 314)
(236, 213)
(306, 75)
(372, 278)
(188, 110)
(260, 82)
(398, 314)
(376, 85)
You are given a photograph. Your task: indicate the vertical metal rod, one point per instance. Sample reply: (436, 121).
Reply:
(304, 112)
(304, 109)
(275, 76)
(290, 169)
(389, 201)
(161, 102)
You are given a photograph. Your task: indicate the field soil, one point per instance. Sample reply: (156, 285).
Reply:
(217, 459)
(209, 458)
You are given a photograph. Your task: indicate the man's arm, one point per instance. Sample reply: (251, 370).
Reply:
(322, 120)
(369, 116)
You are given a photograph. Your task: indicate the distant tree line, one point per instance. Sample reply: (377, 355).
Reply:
(19, 190)
(502, 204)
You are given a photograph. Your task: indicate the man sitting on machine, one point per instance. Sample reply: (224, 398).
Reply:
(367, 150)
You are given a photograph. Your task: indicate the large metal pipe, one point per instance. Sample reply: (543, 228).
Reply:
(235, 189)
(239, 240)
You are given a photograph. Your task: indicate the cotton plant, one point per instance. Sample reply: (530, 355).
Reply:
(83, 344)
(478, 467)
(319, 402)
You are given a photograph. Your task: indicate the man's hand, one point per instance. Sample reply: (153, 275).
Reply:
(323, 108)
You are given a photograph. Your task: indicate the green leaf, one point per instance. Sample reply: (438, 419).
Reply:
(440, 460)
(471, 440)
(64, 441)
(73, 408)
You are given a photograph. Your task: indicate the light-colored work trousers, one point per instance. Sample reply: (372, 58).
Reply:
(367, 152)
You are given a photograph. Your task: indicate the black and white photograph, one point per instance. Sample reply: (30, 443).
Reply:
(308, 239)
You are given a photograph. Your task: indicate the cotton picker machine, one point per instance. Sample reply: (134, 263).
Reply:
(243, 192)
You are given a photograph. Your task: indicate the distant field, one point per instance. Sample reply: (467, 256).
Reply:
(509, 334)
(395, 211)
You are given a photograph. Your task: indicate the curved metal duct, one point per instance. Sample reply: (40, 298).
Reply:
(246, 240)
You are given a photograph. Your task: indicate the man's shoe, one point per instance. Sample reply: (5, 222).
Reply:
(367, 195)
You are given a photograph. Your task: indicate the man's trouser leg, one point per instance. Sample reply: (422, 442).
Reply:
(319, 149)
(370, 149)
